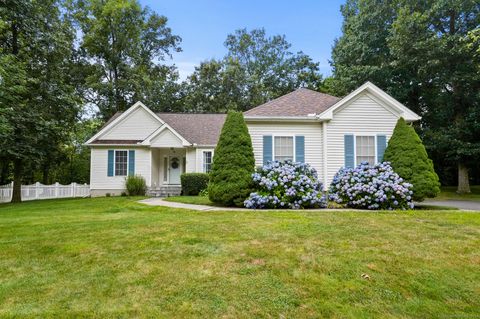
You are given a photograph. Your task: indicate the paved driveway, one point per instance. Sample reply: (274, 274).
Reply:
(460, 204)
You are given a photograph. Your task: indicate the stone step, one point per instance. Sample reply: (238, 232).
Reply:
(164, 191)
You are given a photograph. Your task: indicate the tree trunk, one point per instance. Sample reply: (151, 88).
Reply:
(4, 172)
(17, 181)
(463, 183)
(45, 175)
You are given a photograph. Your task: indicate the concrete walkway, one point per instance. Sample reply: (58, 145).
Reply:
(460, 204)
(156, 201)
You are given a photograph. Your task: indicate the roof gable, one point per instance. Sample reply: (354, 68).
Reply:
(163, 134)
(376, 94)
(166, 138)
(136, 123)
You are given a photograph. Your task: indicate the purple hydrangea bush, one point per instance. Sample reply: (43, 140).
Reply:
(371, 187)
(286, 185)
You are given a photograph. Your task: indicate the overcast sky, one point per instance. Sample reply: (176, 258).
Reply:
(310, 26)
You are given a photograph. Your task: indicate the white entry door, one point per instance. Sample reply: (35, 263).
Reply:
(175, 169)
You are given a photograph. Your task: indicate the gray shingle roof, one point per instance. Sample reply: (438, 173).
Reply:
(300, 102)
(202, 129)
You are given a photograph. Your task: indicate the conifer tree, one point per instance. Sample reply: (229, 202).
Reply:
(410, 160)
(233, 163)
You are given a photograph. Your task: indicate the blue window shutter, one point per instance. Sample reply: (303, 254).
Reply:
(300, 149)
(131, 162)
(349, 151)
(267, 149)
(110, 163)
(381, 146)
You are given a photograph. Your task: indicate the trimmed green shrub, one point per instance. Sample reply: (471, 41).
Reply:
(409, 159)
(233, 164)
(193, 183)
(135, 185)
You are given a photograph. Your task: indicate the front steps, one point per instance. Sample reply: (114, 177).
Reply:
(164, 191)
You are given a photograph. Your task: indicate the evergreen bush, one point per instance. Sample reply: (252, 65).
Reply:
(135, 185)
(233, 163)
(409, 159)
(193, 183)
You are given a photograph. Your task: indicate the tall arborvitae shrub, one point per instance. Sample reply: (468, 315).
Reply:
(409, 159)
(233, 163)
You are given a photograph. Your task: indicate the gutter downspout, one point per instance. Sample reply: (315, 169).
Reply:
(324, 151)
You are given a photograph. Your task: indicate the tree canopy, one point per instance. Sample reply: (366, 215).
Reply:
(122, 50)
(426, 55)
(256, 69)
(38, 100)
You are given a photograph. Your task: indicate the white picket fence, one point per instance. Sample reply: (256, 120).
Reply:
(40, 191)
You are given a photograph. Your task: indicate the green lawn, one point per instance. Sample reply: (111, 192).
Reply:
(449, 192)
(197, 200)
(113, 257)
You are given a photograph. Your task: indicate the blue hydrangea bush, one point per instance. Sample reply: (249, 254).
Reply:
(371, 187)
(286, 185)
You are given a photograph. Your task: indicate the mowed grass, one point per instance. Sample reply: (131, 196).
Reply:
(197, 200)
(450, 192)
(114, 257)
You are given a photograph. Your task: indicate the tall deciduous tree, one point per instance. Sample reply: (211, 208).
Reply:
(256, 68)
(123, 46)
(37, 101)
(424, 53)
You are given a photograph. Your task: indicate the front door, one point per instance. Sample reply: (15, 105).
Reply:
(174, 169)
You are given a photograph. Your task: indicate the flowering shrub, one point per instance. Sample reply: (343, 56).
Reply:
(286, 185)
(371, 187)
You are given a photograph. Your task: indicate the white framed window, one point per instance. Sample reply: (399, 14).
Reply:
(283, 148)
(365, 149)
(121, 163)
(207, 161)
(165, 169)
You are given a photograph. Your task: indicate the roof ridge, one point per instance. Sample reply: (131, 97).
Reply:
(187, 113)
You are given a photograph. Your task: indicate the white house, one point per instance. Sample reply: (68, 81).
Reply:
(322, 130)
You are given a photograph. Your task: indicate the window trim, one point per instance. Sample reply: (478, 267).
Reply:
(293, 145)
(203, 160)
(374, 135)
(165, 164)
(115, 161)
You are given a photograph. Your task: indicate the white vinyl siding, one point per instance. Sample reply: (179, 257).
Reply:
(311, 131)
(166, 139)
(363, 116)
(99, 166)
(191, 155)
(137, 126)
